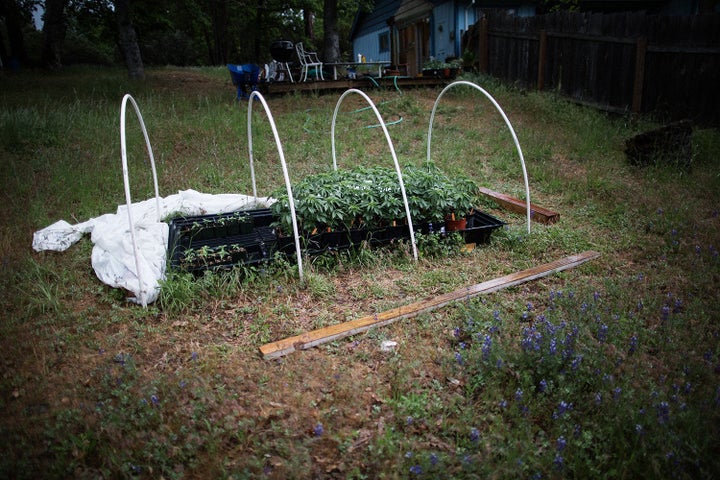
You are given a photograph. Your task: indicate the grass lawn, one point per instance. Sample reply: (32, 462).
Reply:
(608, 370)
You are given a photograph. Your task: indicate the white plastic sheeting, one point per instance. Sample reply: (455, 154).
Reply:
(113, 258)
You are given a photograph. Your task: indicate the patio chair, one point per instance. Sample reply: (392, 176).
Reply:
(245, 77)
(309, 60)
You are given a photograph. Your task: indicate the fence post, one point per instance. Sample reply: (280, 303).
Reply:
(640, 50)
(542, 57)
(483, 46)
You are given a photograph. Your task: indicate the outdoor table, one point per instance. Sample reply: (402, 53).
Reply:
(379, 66)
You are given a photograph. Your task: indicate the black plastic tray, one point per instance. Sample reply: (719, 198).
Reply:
(196, 253)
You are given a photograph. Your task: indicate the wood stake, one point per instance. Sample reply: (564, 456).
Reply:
(539, 214)
(346, 329)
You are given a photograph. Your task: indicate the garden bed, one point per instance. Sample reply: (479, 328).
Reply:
(210, 242)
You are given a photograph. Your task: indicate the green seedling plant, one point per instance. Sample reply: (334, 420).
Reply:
(370, 197)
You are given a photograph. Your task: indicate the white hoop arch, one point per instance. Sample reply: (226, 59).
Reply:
(142, 299)
(507, 122)
(392, 151)
(286, 176)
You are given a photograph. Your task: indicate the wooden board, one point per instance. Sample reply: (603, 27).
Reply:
(346, 329)
(539, 214)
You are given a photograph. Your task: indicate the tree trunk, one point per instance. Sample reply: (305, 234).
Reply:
(331, 37)
(260, 12)
(53, 32)
(128, 40)
(219, 16)
(309, 19)
(14, 22)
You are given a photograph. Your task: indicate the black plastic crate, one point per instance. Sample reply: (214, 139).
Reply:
(479, 227)
(195, 253)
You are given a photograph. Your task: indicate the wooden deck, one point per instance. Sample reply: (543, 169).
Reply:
(363, 83)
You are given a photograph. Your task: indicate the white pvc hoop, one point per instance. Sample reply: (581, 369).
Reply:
(392, 151)
(126, 180)
(284, 169)
(507, 122)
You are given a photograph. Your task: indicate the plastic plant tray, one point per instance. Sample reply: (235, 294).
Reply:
(196, 253)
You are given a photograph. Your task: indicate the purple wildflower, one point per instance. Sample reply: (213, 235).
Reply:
(639, 429)
(616, 393)
(154, 399)
(194, 356)
(552, 349)
(576, 362)
(531, 339)
(633, 344)
(598, 398)
(665, 313)
(474, 435)
(558, 462)
(416, 470)
(486, 346)
(318, 430)
(562, 408)
(602, 333)
(663, 413)
(433, 459)
(678, 306)
(458, 358)
(518, 395)
(543, 385)
(561, 443)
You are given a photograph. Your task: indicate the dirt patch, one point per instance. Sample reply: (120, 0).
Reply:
(188, 82)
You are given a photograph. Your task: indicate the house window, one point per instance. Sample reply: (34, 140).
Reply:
(384, 42)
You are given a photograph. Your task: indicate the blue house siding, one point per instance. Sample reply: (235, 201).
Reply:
(369, 45)
(448, 21)
(369, 26)
(442, 33)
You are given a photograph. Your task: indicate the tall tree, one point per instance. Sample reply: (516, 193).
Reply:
(331, 37)
(128, 40)
(309, 19)
(54, 28)
(16, 14)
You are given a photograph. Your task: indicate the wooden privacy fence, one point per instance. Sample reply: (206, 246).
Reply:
(620, 62)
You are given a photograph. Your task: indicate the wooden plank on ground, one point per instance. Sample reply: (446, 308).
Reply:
(346, 329)
(539, 214)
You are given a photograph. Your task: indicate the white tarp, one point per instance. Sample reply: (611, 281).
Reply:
(113, 258)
